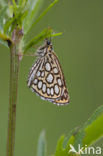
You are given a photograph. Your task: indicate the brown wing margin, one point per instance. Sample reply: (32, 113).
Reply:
(65, 98)
(33, 72)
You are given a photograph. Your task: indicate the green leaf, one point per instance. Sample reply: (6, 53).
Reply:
(34, 7)
(14, 6)
(22, 2)
(82, 133)
(72, 132)
(2, 17)
(23, 15)
(60, 151)
(95, 115)
(14, 3)
(95, 130)
(42, 15)
(56, 34)
(41, 149)
(79, 139)
(89, 133)
(90, 126)
(17, 14)
(59, 148)
(15, 21)
(10, 10)
(10, 22)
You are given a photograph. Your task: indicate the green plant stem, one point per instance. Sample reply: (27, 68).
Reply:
(14, 70)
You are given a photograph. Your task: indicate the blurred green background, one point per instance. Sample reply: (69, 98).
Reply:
(80, 51)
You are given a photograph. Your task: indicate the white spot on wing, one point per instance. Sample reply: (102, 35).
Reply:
(48, 91)
(49, 78)
(32, 74)
(44, 88)
(55, 70)
(47, 66)
(52, 91)
(42, 74)
(56, 88)
(59, 82)
(40, 84)
(35, 81)
(38, 73)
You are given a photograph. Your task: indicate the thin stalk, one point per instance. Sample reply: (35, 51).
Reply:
(14, 70)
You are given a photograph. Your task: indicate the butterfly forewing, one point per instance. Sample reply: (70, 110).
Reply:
(33, 71)
(47, 81)
(46, 78)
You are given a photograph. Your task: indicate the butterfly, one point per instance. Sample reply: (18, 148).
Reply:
(46, 77)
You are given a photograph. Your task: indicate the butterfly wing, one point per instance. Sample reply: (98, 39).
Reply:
(33, 71)
(43, 78)
(47, 80)
(64, 98)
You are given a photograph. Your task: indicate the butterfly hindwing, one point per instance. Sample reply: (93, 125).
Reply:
(64, 98)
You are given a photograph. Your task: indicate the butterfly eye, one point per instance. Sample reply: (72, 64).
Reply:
(48, 42)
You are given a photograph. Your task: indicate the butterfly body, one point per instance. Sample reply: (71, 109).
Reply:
(46, 77)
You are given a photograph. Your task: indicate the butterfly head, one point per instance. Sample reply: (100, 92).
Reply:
(48, 42)
(47, 47)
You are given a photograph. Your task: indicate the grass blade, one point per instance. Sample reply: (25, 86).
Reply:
(88, 134)
(33, 11)
(43, 14)
(14, 3)
(22, 2)
(56, 34)
(94, 127)
(41, 149)
(2, 17)
(95, 115)
(8, 24)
